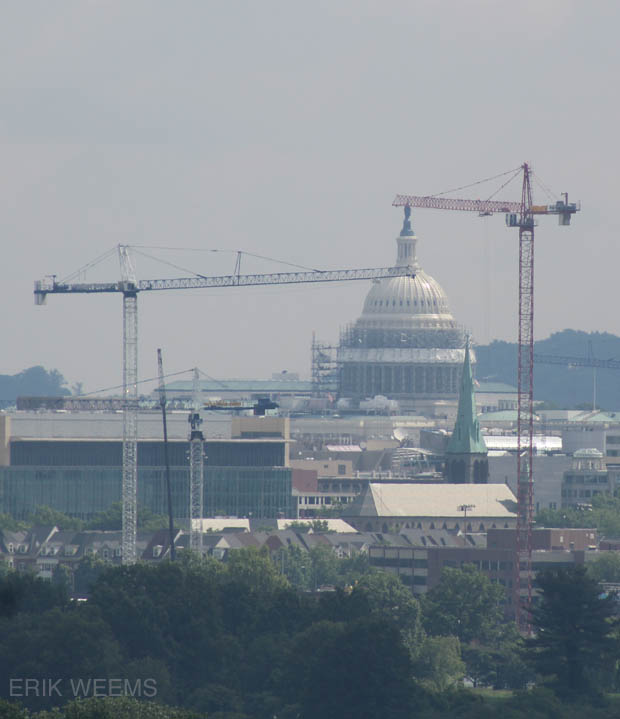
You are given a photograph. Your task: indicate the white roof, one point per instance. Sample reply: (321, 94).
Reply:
(539, 442)
(438, 500)
(220, 523)
(333, 525)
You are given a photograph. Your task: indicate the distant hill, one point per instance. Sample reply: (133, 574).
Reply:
(35, 381)
(560, 386)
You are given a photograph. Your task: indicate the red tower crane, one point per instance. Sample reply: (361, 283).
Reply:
(520, 215)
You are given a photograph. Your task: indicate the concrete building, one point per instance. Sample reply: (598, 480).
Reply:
(406, 345)
(587, 477)
(548, 473)
(420, 558)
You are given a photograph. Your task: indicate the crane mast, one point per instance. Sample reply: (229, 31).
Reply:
(129, 287)
(525, 400)
(129, 482)
(196, 470)
(519, 215)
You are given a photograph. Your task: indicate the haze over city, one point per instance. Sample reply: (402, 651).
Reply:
(285, 130)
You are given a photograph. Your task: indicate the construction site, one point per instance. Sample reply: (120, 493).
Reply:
(393, 404)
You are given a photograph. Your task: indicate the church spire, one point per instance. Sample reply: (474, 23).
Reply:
(466, 453)
(466, 437)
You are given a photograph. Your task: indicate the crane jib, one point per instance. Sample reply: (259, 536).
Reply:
(44, 287)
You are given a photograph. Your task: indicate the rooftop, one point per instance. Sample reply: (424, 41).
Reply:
(435, 500)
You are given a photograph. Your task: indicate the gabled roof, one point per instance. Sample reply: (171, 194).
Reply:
(400, 499)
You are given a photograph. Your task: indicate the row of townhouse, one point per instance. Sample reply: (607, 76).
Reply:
(416, 556)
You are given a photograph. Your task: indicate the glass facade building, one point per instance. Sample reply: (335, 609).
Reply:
(83, 491)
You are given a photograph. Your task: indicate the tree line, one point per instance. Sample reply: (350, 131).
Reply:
(237, 640)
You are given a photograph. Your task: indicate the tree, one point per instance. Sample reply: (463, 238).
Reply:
(324, 565)
(605, 568)
(116, 708)
(464, 604)
(388, 597)
(573, 647)
(25, 593)
(254, 568)
(49, 517)
(37, 381)
(439, 665)
(58, 645)
(87, 573)
(604, 514)
(354, 669)
(11, 524)
(111, 519)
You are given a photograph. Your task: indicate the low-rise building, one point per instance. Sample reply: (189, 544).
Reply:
(394, 506)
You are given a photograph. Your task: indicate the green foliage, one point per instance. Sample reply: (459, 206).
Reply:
(48, 517)
(58, 644)
(388, 597)
(235, 640)
(317, 525)
(254, 569)
(11, 524)
(574, 649)
(111, 519)
(25, 593)
(605, 568)
(116, 708)
(86, 574)
(439, 665)
(9, 710)
(319, 567)
(499, 665)
(324, 563)
(34, 382)
(563, 386)
(604, 516)
(464, 604)
(359, 668)
(61, 577)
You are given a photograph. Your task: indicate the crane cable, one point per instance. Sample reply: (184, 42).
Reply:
(479, 182)
(203, 249)
(90, 264)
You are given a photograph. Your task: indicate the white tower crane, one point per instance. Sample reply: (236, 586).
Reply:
(129, 287)
(196, 470)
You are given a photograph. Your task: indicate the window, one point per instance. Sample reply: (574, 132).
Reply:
(342, 469)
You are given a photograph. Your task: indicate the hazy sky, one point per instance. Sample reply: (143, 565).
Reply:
(285, 129)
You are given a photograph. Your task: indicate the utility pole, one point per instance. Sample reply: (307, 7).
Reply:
(162, 404)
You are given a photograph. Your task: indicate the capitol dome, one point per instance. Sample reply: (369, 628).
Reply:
(406, 343)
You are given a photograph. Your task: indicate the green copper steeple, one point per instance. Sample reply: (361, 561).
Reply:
(466, 437)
